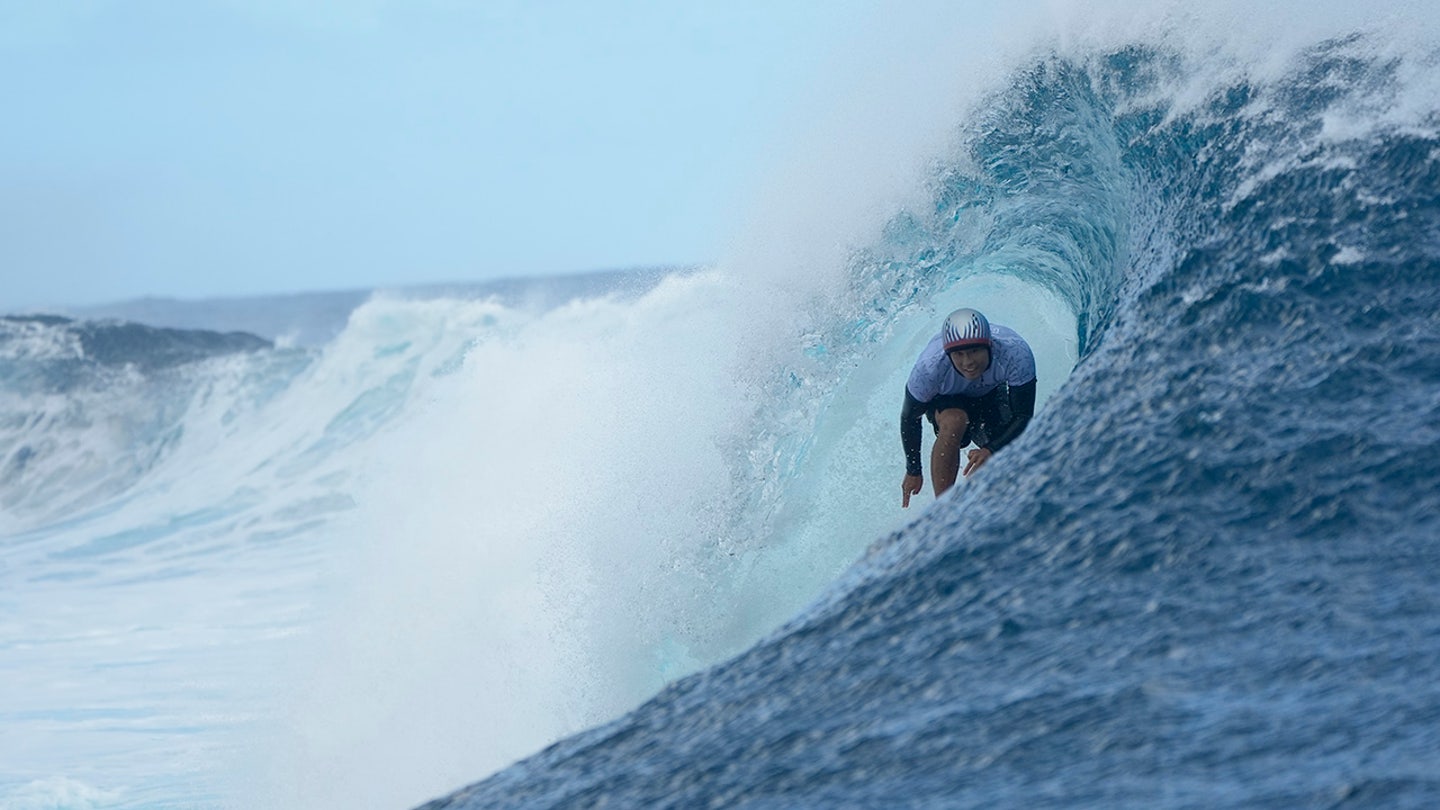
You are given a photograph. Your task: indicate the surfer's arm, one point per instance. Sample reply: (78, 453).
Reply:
(1022, 407)
(910, 431)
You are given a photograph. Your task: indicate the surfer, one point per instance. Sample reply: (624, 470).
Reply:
(976, 384)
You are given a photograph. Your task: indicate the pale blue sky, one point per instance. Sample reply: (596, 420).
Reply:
(197, 148)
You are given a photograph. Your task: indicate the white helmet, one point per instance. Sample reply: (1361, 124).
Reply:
(965, 329)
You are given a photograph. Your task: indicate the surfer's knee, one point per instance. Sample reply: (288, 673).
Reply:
(952, 422)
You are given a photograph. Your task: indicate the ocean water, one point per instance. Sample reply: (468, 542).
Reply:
(638, 542)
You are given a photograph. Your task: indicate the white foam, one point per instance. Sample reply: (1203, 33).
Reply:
(58, 793)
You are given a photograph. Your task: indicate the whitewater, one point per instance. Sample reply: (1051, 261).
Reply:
(634, 539)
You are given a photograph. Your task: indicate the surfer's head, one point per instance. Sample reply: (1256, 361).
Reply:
(967, 342)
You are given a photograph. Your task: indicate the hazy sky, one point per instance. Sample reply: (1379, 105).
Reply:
(219, 147)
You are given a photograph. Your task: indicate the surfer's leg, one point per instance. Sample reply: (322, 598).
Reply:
(950, 425)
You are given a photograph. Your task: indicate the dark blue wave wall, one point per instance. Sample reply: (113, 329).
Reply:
(1208, 575)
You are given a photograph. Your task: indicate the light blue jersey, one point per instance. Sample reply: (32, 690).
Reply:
(1011, 362)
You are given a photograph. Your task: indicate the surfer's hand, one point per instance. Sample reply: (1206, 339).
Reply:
(978, 457)
(911, 486)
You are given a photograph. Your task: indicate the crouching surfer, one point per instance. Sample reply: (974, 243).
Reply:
(976, 384)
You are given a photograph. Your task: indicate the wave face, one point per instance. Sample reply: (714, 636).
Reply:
(1207, 575)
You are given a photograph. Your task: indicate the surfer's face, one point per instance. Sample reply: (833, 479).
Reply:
(972, 362)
